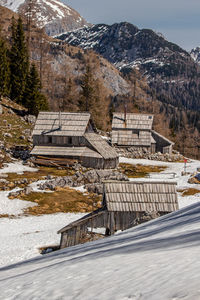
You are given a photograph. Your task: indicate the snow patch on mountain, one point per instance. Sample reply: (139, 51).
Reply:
(125, 45)
(54, 15)
(195, 54)
(12, 5)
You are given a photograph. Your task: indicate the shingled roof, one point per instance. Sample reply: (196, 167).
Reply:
(128, 138)
(133, 121)
(101, 146)
(72, 124)
(64, 151)
(140, 196)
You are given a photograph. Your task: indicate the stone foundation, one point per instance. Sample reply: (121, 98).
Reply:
(143, 153)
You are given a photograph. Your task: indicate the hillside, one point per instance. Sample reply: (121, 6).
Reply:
(160, 259)
(14, 129)
(170, 69)
(52, 15)
(172, 76)
(62, 68)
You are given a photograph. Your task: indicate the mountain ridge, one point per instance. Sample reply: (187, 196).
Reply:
(52, 15)
(128, 47)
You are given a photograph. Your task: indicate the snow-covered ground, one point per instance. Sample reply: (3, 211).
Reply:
(21, 237)
(17, 167)
(12, 206)
(171, 173)
(159, 260)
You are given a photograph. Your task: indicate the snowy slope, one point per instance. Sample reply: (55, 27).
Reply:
(21, 237)
(54, 15)
(12, 5)
(158, 260)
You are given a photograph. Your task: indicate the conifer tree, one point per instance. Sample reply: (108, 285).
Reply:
(91, 99)
(87, 92)
(69, 99)
(4, 69)
(33, 98)
(19, 62)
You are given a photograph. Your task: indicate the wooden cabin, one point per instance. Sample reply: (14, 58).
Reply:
(135, 130)
(163, 144)
(124, 203)
(71, 136)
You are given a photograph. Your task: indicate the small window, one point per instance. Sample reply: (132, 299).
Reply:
(70, 140)
(49, 139)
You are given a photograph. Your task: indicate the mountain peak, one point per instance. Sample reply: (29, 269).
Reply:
(53, 15)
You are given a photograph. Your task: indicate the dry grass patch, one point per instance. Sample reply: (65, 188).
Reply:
(63, 200)
(7, 216)
(139, 171)
(14, 125)
(41, 173)
(4, 216)
(189, 192)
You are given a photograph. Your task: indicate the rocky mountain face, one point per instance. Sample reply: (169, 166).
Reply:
(52, 15)
(170, 70)
(195, 54)
(172, 75)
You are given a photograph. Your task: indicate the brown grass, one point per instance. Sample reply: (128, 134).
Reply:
(34, 176)
(40, 174)
(7, 216)
(63, 200)
(189, 192)
(138, 171)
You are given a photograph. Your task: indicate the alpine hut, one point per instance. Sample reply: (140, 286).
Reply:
(135, 130)
(71, 136)
(124, 205)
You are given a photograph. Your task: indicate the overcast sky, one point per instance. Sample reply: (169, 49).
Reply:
(177, 20)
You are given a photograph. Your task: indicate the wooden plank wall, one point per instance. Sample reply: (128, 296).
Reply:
(112, 220)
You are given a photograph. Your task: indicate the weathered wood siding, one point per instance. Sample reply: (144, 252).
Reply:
(163, 145)
(124, 203)
(58, 140)
(112, 221)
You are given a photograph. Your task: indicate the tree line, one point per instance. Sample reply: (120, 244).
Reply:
(19, 79)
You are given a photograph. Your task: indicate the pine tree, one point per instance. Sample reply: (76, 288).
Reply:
(33, 98)
(19, 62)
(4, 69)
(87, 92)
(69, 99)
(91, 98)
